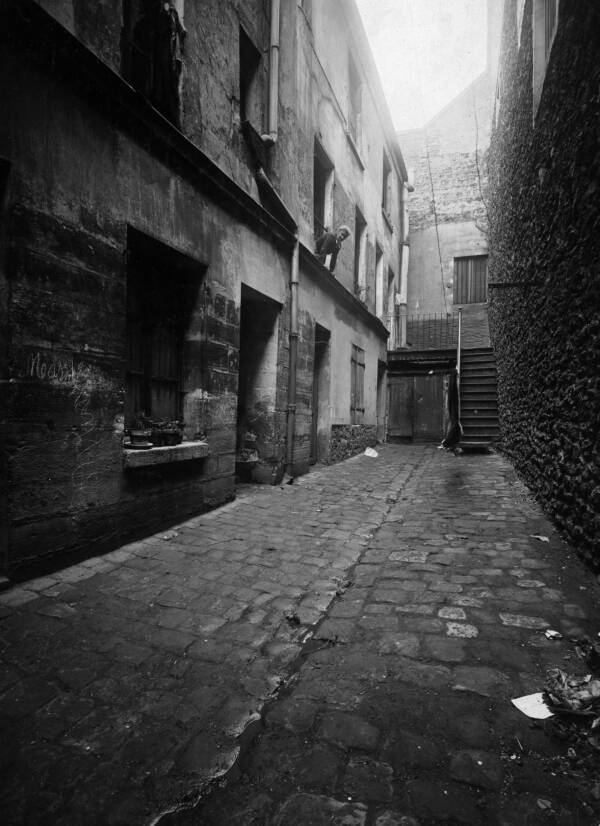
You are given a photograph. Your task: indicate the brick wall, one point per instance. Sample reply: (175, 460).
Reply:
(545, 242)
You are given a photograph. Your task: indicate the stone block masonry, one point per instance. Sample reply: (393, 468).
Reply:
(545, 245)
(349, 439)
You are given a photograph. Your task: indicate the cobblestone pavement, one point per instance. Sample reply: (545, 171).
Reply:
(342, 650)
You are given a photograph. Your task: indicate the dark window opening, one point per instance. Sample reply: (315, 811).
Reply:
(386, 186)
(357, 385)
(162, 293)
(322, 177)
(250, 59)
(470, 280)
(152, 53)
(359, 228)
(354, 102)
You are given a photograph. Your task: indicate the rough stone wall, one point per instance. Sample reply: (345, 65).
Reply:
(448, 215)
(545, 244)
(350, 439)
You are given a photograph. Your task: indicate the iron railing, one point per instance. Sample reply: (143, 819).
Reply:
(432, 332)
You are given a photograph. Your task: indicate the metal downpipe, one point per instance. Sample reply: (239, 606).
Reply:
(291, 407)
(273, 124)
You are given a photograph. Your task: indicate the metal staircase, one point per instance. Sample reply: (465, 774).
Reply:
(478, 399)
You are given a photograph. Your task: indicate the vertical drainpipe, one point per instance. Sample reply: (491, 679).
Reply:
(291, 406)
(269, 139)
(273, 124)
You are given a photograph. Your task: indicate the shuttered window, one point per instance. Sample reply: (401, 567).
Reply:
(470, 280)
(357, 385)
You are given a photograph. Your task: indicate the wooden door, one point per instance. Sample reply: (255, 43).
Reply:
(429, 407)
(400, 407)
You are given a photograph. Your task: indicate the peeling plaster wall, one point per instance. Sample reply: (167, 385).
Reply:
(545, 220)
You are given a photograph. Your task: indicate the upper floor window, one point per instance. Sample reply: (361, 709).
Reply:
(354, 102)
(250, 61)
(378, 281)
(360, 238)
(152, 52)
(322, 190)
(545, 23)
(386, 185)
(470, 280)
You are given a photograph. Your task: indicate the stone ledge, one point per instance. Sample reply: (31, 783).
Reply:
(164, 455)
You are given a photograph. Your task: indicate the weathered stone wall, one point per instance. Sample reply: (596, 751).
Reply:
(448, 215)
(77, 181)
(350, 439)
(545, 245)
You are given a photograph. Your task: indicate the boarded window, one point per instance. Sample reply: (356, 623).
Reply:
(470, 280)
(162, 289)
(357, 385)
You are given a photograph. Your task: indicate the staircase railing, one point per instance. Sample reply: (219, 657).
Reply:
(458, 349)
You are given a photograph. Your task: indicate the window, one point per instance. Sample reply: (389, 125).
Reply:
(386, 186)
(390, 303)
(250, 60)
(354, 102)
(545, 22)
(322, 190)
(162, 290)
(357, 385)
(152, 53)
(470, 280)
(360, 226)
(379, 281)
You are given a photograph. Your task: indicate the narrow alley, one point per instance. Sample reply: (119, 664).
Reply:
(340, 650)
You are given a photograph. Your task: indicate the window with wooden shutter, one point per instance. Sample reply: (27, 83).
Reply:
(470, 280)
(357, 385)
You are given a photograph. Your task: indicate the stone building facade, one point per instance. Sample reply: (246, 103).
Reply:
(545, 289)
(448, 208)
(164, 168)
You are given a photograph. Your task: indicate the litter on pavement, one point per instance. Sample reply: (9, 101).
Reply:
(534, 706)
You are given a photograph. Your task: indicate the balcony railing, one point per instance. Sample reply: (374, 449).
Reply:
(432, 332)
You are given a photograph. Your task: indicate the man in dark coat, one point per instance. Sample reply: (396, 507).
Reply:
(330, 243)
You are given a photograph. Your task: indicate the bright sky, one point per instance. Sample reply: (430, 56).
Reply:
(426, 51)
